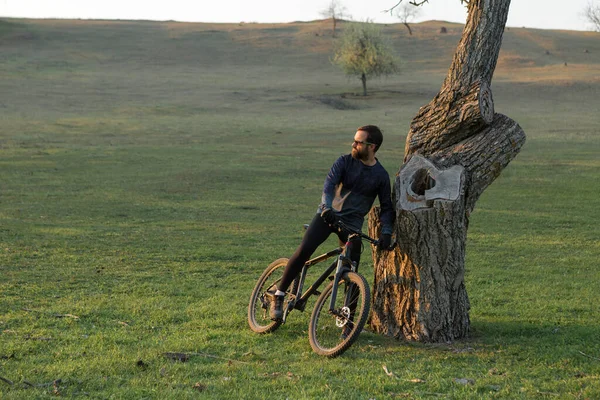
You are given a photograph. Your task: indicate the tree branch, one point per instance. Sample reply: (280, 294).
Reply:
(464, 113)
(593, 15)
(413, 2)
(185, 356)
(593, 358)
(8, 381)
(392, 9)
(483, 155)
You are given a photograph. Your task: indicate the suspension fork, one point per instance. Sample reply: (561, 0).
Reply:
(342, 268)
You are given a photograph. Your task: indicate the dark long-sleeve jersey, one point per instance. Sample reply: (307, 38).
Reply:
(350, 190)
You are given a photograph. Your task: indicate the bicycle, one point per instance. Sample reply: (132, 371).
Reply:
(341, 310)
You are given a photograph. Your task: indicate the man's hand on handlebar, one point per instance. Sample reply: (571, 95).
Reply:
(385, 241)
(329, 216)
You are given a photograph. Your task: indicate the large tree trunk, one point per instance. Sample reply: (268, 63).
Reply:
(456, 147)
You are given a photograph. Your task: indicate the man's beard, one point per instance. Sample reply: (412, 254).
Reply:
(360, 155)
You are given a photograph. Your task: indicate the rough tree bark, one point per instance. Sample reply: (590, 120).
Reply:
(456, 147)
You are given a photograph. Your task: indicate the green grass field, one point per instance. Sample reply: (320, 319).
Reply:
(150, 171)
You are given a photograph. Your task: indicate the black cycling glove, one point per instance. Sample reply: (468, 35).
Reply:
(329, 216)
(385, 241)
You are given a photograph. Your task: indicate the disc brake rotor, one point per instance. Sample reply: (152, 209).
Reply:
(342, 319)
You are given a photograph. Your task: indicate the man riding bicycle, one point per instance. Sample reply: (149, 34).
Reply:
(349, 191)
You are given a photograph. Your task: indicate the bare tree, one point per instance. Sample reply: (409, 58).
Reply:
(456, 147)
(406, 13)
(336, 11)
(592, 14)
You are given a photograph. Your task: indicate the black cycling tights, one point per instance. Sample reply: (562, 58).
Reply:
(318, 231)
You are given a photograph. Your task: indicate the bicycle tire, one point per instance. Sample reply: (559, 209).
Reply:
(258, 311)
(325, 330)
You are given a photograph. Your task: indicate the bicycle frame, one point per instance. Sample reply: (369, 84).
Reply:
(340, 266)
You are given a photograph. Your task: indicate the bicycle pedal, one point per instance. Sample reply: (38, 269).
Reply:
(263, 303)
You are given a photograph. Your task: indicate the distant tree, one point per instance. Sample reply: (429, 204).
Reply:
(406, 13)
(363, 51)
(592, 14)
(336, 11)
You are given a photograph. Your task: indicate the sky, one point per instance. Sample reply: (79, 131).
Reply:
(542, 14)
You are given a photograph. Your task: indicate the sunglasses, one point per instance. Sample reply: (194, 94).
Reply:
(357, 142)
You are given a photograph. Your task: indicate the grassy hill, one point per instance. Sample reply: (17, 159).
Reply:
(151, 170)
(117, 70)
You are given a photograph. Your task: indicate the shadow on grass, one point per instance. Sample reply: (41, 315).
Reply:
(508, 331)
(517, 337)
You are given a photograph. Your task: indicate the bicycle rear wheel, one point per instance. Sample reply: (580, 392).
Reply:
(332, 333)
(258, 308)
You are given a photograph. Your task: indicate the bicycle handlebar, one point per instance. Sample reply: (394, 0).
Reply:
(368, 238)
(340, 225)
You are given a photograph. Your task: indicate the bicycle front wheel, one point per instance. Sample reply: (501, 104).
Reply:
(331, 332)
(258, 308)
